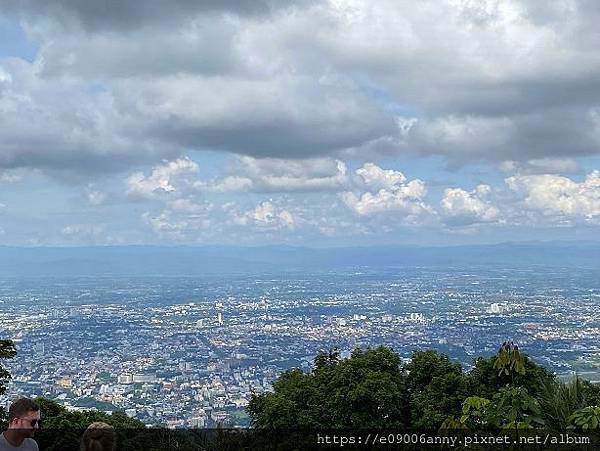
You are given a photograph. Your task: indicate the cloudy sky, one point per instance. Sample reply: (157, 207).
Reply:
(307, 122)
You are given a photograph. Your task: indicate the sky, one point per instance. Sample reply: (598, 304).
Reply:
(301, 122)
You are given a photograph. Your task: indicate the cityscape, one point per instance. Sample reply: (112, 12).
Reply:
(246, 217)
(191, 351)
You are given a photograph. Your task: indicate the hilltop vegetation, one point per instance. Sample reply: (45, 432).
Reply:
(374, 389)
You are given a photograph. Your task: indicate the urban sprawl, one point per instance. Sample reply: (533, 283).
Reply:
(190, 352)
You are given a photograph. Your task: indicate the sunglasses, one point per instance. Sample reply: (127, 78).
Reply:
(33, 422)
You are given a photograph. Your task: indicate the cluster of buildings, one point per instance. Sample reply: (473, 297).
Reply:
(188, 354)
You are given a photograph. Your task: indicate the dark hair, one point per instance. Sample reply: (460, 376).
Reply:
(98, 437)
(20, 407)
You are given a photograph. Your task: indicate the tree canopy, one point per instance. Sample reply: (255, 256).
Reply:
(366, 390)
(373, 388)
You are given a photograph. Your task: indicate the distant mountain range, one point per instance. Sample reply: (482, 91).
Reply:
(190, 260)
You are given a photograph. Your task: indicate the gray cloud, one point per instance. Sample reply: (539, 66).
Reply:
(103, 56)
(61, 125)
(284, 116)
(124, 15)
(117, 84)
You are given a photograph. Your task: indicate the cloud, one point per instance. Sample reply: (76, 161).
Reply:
(492, 81)
(123, 16)
(188, 206)
(60, 125)
(461, 208)
(283, 116)
(267, 216)
(182, 220)
(94, 196)
(375, 177)
(246, 174)
(489, 80)
(86, 233)
(540, 166)
(163, 223)
(164, 179)
(226, 184)
(282, 175)
(555, 195)
(399, 195)
(9, 177)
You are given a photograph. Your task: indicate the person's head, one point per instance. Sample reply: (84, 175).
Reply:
(99, 437)
(24, 415)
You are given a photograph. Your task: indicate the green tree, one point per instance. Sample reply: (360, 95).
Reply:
(7, 351)
(63, 428)
(365, 390)
(591, 393)
(475, 412)
(489, 375)
(515, 408)
(437, 388)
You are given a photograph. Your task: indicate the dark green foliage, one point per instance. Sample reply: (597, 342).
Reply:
(7, 351)
(591, 393)
(514, 407)
(62, 429)
(365, 391)
(475, 412)
(586, 419)
(373, 389)
(559, 400)
(437, 388)
(424, 366)
(485, 379)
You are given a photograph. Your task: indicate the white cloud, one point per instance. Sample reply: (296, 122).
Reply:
(9, 177)
(94, 196)
(267, 216)
(163, 223)
(400, 196)
(462, 207)
(375, 177)
(558, 195)
(164, 179)
(178, 224)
